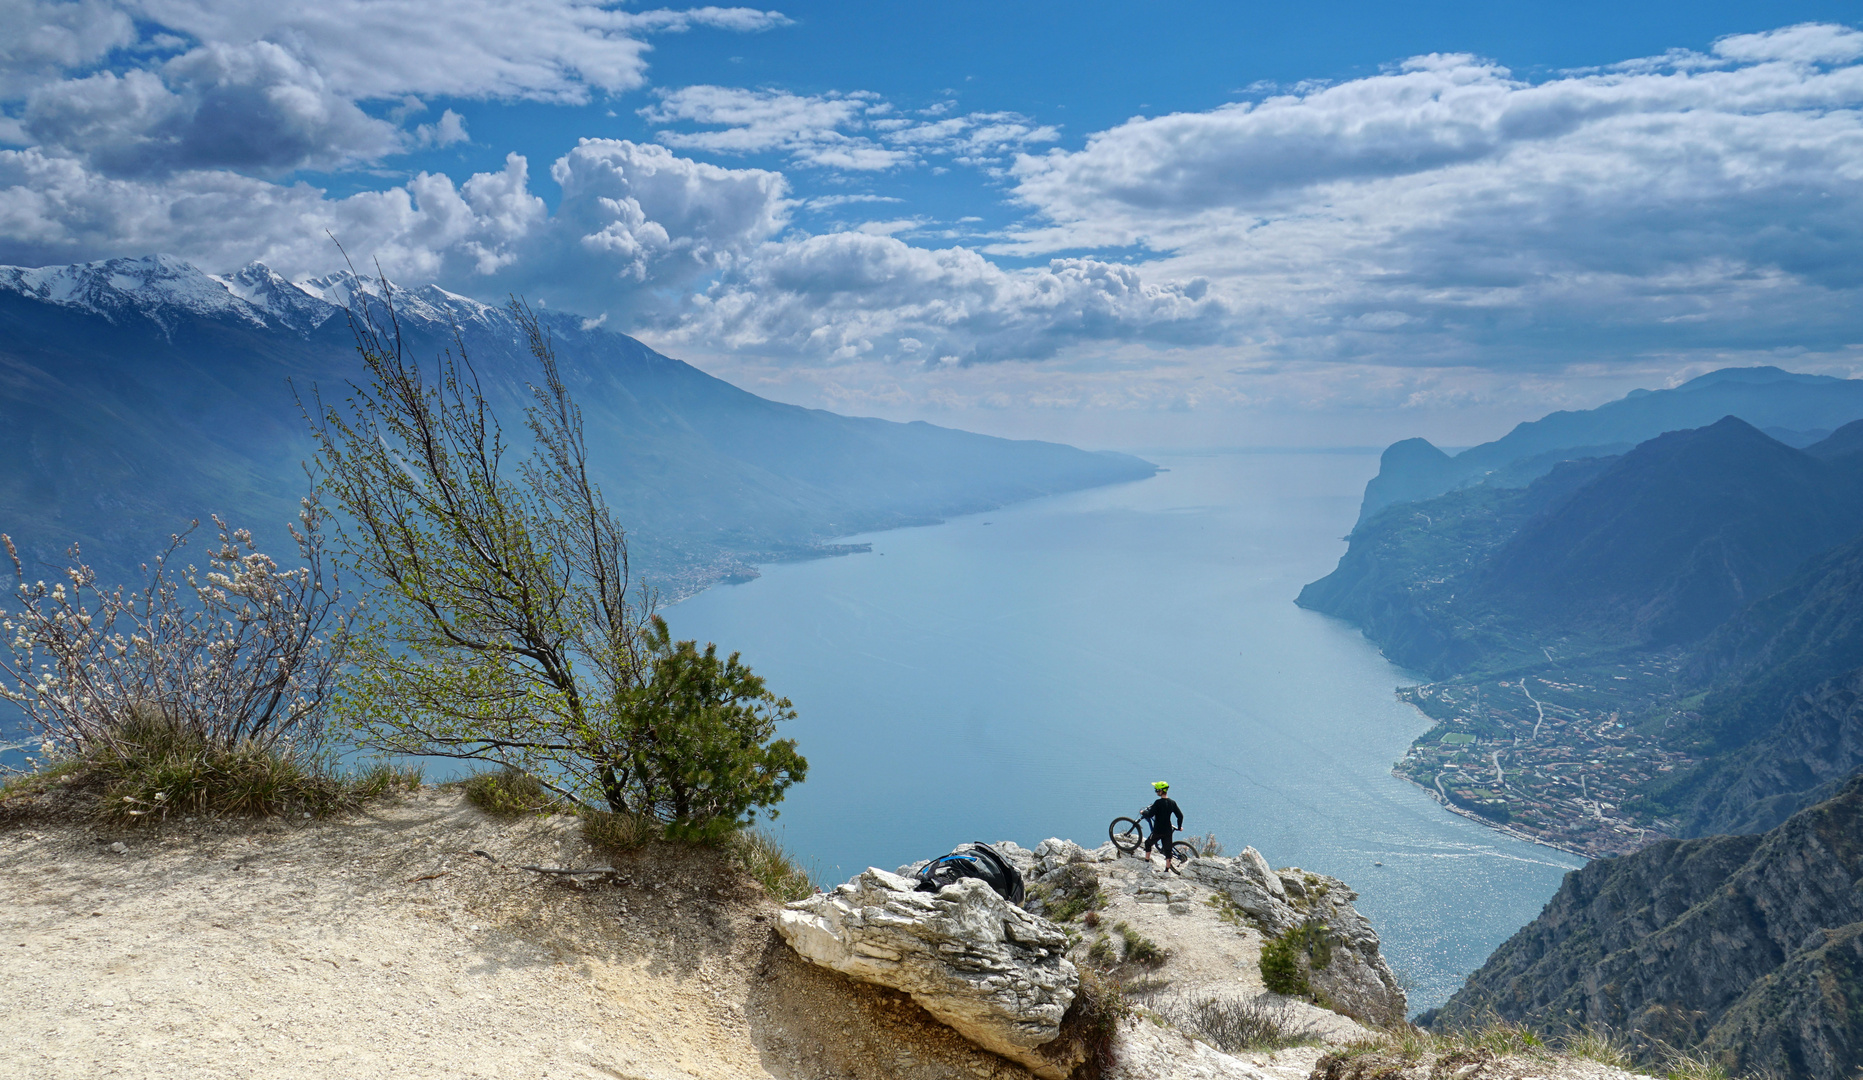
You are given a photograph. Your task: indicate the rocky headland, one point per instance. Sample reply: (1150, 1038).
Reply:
(408, 941)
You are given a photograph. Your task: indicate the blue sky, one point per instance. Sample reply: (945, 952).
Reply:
(1119, 224)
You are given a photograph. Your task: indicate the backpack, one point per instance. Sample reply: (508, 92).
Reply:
(973, 860)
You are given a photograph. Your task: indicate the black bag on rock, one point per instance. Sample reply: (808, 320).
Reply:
(973, 860)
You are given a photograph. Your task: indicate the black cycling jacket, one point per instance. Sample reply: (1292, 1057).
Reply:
(1161, 812)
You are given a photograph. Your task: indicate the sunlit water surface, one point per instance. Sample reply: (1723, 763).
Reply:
(1028, 672)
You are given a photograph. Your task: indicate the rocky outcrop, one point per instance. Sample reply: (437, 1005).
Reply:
(1344, 967)
(1004, 977)
(993, 972)
(1746, 947)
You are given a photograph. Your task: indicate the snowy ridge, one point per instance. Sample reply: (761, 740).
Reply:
(160, 287)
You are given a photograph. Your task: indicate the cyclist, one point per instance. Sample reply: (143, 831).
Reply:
(1161, 814)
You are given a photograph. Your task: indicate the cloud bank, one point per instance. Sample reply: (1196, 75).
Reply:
(1443, 214)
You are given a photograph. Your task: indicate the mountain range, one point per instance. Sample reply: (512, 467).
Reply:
(1717, 568)
(1794, 408)
(1654, 547)
(141, 393)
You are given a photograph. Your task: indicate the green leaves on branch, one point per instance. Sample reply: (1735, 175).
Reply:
(506, 627)
(703, 753)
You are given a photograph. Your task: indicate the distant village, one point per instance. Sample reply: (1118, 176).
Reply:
(1556, 758)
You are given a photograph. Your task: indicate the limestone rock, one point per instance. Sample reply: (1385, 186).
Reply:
(1254, 888)
(991, 971)
(1354, 978)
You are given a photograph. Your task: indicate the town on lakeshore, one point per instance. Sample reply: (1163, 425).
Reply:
(1555, 757)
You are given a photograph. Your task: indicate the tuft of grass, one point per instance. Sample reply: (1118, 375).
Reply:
(1137, 948)
(1694, 1065)
(38, 783)
(1600, 1045)
(1236, 1024)
(1101, 951)
(615, 834)
(772, 867)
(1409, 1044)
(1499, 1037)
(507, 793)
(152, 769)
(383, 777)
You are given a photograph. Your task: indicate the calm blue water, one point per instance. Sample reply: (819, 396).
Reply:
(1028, 672)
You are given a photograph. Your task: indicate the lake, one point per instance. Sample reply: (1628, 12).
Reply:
(1029, 672)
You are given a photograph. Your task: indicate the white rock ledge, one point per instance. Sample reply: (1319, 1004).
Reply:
(991, 971)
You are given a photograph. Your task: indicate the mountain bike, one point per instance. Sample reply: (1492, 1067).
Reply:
(1128, 834)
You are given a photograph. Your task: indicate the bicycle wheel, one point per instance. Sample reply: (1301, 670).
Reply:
(1183, 852)
(1125, 835)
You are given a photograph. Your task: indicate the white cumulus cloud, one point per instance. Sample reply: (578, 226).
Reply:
(857, 131)
(855, 295)
(1706, 200)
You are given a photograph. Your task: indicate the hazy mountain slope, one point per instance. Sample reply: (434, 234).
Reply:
(1842, 443)
(1784, 719)
(1408, 575)
(1676, 537)
(1810, 629)
(143, 392)
(1813, 745)
(1748, 948)
(1764, 397)
(1658, 546)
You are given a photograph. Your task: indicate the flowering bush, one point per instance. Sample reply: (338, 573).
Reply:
(243, 655)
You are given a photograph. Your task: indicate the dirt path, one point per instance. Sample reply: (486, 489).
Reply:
(371, 946)
(1536, 705)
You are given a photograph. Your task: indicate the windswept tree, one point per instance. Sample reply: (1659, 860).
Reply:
(505, 626)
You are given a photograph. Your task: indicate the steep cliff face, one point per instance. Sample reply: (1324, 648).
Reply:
(1742, 946)
(1817, 744)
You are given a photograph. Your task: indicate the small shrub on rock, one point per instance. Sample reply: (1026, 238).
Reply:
(1138, 949)
(1280, 968)
(1287, 960)
(1092, 1024)
(1235, 1024)
(1071, 893)
(507, 793)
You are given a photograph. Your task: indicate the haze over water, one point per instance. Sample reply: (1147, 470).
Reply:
(1028, 672)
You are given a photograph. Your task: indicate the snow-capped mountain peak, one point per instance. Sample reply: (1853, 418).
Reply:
(429, 303)
(151, 285)
(162, 287)
(278, 297)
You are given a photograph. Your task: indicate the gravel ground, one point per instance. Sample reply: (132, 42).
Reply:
(380, 945)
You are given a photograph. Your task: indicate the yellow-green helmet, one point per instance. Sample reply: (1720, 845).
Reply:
(1159, 785)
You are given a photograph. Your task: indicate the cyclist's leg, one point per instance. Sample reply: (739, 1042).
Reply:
(1165, 837)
